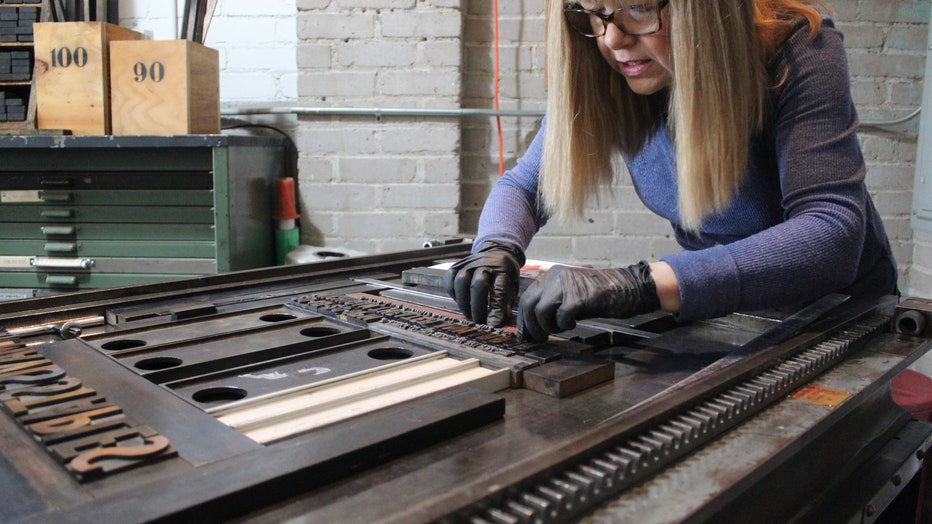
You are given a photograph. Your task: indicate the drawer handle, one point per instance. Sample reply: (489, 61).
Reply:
(55, 197)
(57, 213)
(61, 280)
(62, 263)
(58, 230)
(55, 182)
(60, 247)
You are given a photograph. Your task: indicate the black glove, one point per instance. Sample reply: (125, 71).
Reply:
(564, 295)
(485, 284)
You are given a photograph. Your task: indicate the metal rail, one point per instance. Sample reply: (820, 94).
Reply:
(573, 490)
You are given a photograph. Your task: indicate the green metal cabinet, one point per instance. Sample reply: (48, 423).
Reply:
(81, 212)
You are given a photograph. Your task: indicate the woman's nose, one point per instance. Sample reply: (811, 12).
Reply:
(615, 38)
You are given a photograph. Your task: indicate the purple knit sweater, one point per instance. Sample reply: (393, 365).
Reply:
(802, 224)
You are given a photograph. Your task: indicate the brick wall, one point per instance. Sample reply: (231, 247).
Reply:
(368, 184)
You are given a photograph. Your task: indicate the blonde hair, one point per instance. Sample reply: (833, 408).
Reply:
(720, 50)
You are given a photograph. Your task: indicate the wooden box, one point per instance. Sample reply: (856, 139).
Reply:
(164, 87)
(72, 75)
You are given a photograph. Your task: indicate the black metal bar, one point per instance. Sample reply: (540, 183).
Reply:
(185, 19)
(199, 15)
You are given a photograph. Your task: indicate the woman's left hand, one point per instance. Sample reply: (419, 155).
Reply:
(565, 294)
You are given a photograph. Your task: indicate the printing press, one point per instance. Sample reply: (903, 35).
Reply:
(350, 390)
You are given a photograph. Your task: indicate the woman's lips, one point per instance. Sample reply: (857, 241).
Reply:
(633, 67)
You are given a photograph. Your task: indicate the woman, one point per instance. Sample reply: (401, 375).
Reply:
(735, 120)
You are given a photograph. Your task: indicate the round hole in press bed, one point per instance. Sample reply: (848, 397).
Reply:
(277, 317)
(390, 353)
(157, 363)
(119, 345)
(319, 331)
(219, 394)
(329, 254)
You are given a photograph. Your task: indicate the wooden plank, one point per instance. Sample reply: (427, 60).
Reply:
(564, 377)
(264, 400)
(284, 414)
(476, 377)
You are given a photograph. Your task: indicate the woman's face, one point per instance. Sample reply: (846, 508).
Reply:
(645, 61)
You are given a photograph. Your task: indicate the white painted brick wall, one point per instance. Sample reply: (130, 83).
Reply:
(379, 185)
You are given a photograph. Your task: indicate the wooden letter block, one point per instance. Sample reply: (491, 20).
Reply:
(564, 377)
(164, 87)
(72, 75)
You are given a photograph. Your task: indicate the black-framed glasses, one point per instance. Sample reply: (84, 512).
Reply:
(636, 20)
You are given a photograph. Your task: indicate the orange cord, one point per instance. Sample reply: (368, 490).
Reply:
(498, 119)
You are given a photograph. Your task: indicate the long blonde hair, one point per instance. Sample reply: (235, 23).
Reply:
(720, 50)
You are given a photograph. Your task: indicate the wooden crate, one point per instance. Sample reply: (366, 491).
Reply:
(72, 75)
(164, 87)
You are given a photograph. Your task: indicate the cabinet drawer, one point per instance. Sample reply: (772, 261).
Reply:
(73, 281)
(93, 265)
(138, 232)
(106, 214)
(63, 181)
(103, 248)
(124, 197)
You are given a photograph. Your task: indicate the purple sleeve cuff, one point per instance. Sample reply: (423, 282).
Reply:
(708, 281)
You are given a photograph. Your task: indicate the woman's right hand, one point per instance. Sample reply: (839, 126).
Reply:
(485, 284)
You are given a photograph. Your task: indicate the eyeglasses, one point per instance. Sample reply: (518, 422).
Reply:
(635, 20)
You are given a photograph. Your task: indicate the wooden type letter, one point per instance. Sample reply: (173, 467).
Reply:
(33, 377)
(19, 355)
(65, 451)
(110, 459)
(112, 451)
(8, 343)
(61, 386)
(62, 410)
(80, 425)
(18, 369)
(19, 407)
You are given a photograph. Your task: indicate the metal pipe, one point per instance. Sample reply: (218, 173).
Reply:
(883, 123)
(377, 112)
